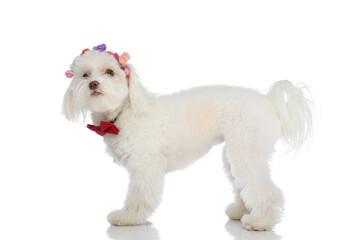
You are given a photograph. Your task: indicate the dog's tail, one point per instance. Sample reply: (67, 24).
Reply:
(294, 111)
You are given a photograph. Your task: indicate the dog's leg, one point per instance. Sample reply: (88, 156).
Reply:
(144, 194)
(249, 166)
(237, 209)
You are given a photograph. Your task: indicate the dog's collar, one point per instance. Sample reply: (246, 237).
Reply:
(116, 118)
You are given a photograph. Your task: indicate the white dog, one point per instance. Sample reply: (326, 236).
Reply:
(160, 134)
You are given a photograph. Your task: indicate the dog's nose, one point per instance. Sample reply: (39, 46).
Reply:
(94, 85)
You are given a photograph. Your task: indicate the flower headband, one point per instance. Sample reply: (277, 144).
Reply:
(122, 59)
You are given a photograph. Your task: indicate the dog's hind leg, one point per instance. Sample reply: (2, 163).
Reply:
(237, 209)
(248, 158)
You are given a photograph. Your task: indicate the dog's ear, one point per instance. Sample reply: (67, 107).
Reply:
(69, 109)
(137, 93)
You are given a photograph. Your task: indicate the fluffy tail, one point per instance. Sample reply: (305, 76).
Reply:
(295, 112)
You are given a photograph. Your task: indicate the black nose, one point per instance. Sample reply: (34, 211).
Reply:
(94, 85)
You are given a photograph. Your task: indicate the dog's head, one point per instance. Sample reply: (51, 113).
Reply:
(101, 82)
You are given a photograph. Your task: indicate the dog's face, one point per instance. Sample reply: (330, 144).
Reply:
(99, 84)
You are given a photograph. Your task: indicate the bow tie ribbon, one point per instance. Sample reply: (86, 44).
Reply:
(105, 127)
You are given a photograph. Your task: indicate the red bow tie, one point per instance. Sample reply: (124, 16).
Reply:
(105, 127)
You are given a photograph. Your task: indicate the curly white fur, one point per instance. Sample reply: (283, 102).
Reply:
(159, 134)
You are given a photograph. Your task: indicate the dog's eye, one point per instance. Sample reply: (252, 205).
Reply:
(85, 75)
(110, 72)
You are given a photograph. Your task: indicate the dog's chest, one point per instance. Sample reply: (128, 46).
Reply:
(135, 138)
(118, 146)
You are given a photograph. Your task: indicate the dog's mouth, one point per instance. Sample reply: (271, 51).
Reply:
(96, 93)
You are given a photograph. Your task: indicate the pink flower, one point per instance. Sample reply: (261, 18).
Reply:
(116, 56)
(127, 71)
(69, 74)
(124, 58)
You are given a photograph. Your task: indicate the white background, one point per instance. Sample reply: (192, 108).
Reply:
(56, 182)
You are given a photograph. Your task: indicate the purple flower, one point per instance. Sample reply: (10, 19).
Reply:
(101, 47)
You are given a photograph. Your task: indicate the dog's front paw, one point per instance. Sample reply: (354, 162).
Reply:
(256, 223)
(124, 218)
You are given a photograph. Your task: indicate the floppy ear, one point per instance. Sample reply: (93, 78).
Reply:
(69, 109)
(137, 93)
